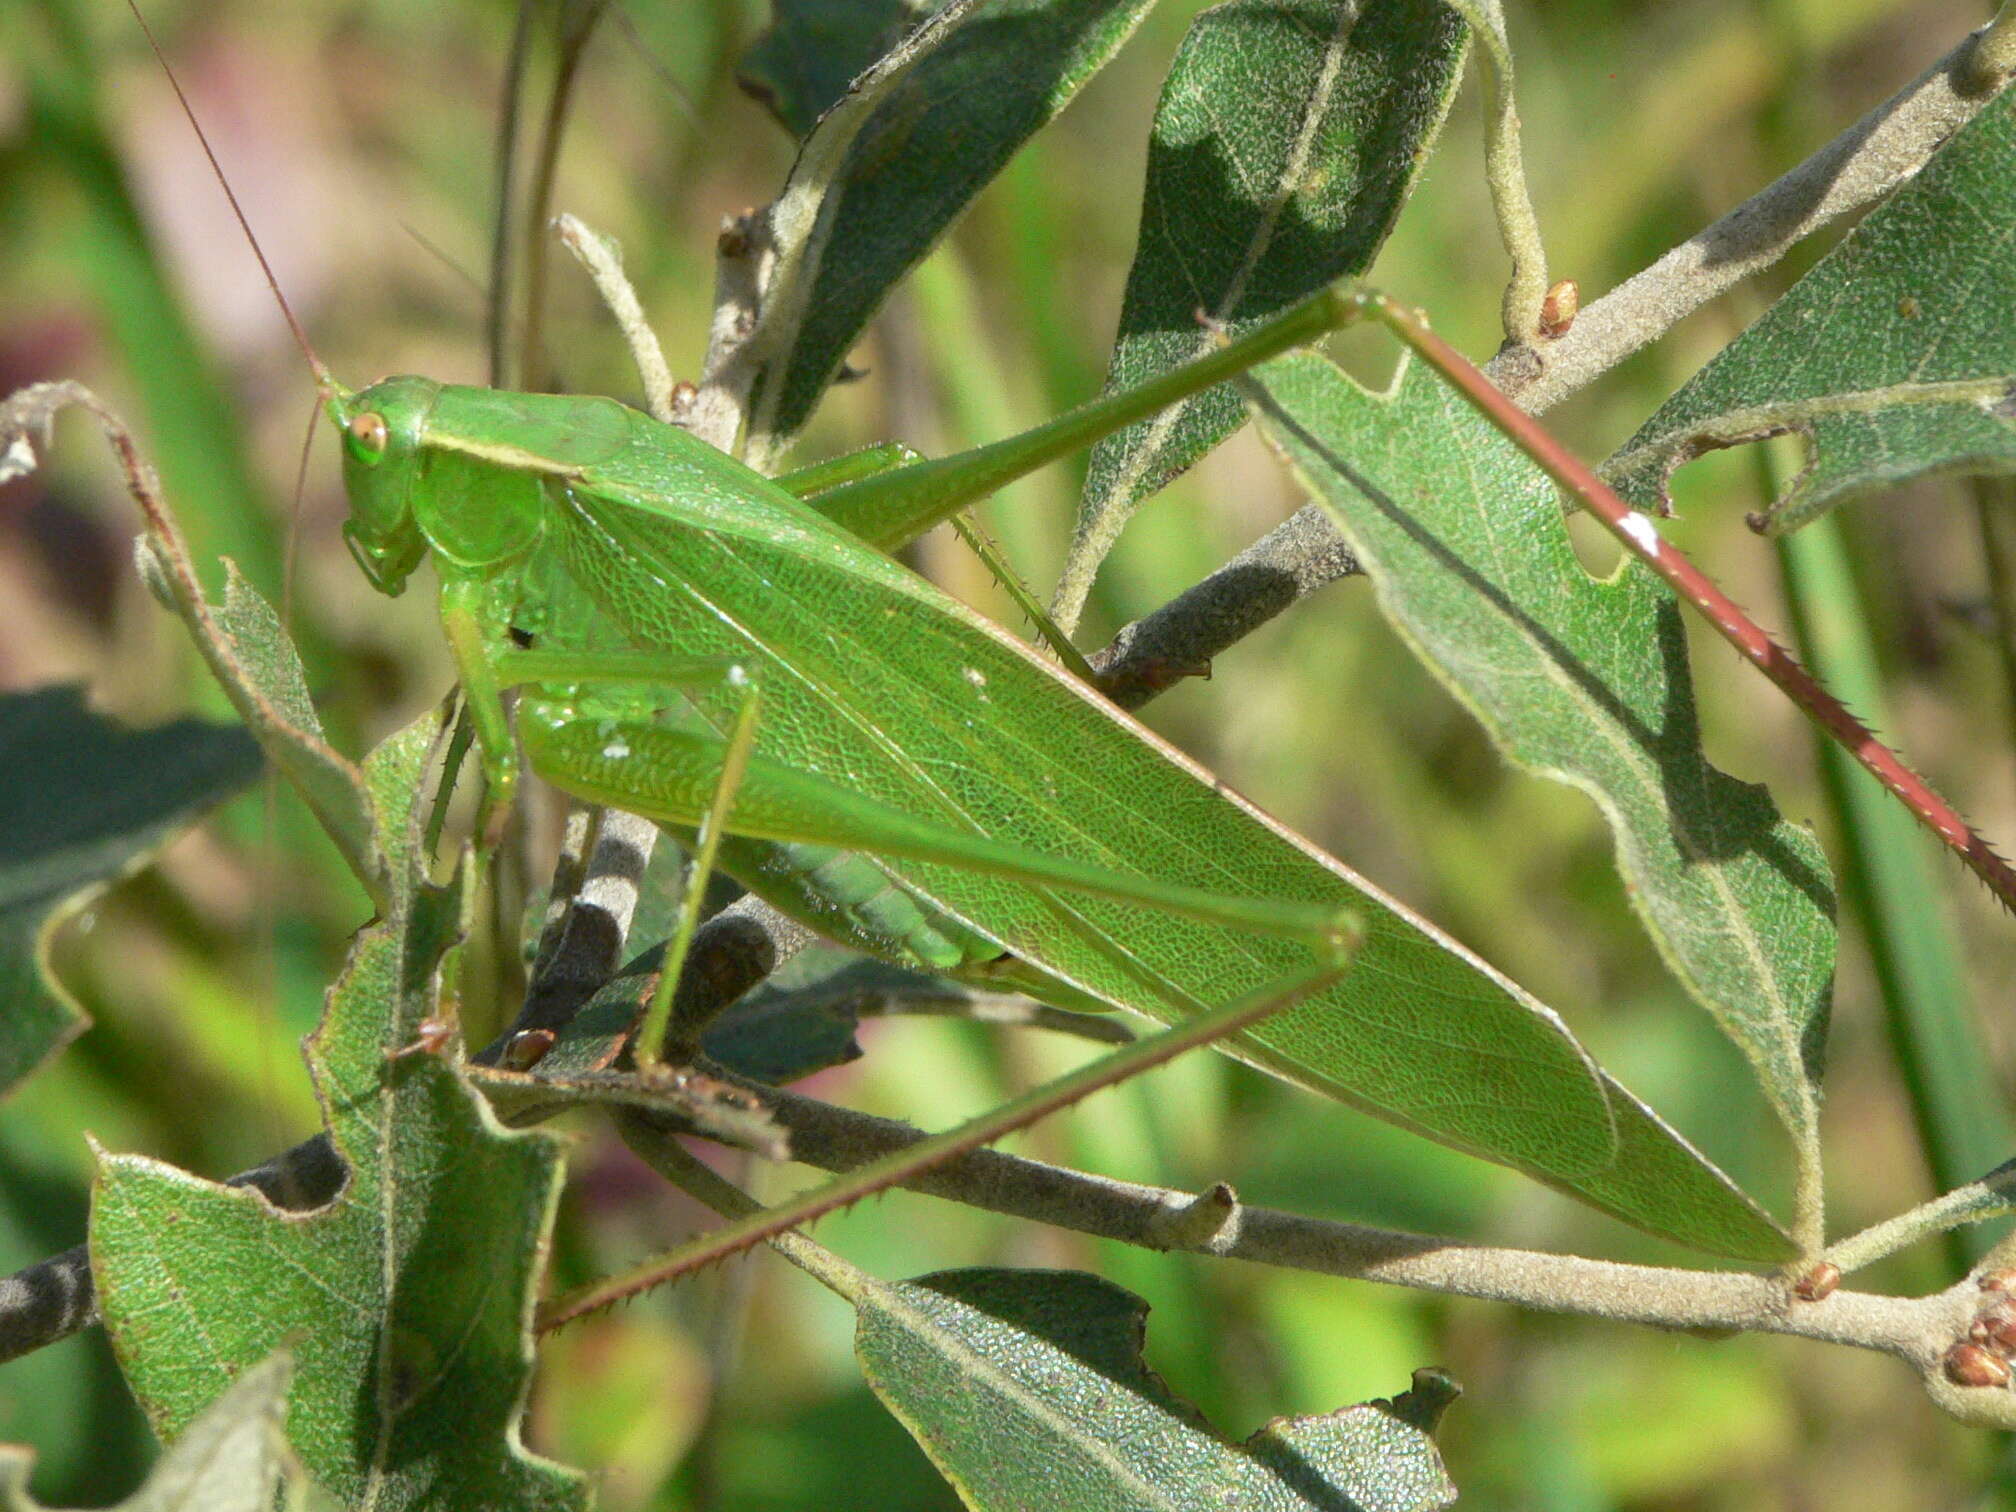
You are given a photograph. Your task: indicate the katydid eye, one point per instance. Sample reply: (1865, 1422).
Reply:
(368, 432)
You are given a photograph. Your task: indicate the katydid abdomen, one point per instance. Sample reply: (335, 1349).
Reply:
(611, 525)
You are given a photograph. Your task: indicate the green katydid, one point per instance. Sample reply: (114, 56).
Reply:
(669, 615)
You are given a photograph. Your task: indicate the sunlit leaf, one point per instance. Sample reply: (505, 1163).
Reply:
(407, 1299)
(1894, 358)
(1580, 680)
(1286, 142)
(1028, 1391)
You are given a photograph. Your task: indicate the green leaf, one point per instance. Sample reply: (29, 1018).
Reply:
(232, 1458)
(891, 166)
(246, 647)
(1028, 1391)
(1894, 358)
(407, 1299)
(1287, 139)
(253, 660)
(86, 801)
(1578, 680)
(801, 66)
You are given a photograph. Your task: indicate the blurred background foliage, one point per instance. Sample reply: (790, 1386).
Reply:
(358, 133)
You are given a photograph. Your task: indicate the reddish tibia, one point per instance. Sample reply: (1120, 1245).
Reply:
(1641, 538)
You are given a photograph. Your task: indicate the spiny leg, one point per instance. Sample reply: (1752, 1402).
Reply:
(1637, 534)
(894, 1169)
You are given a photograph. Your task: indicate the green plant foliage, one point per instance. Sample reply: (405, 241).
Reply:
(814, 49)
(1894, 358)
(1286, 142)
(231, 1458)
(888, 169)
(85, 801)
(1582, 681)
(1028, 1390)
(254, 661)
(407, 1300)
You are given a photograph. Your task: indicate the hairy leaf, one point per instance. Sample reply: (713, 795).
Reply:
(1894, 358)
(232, 1458)
(1582, 681)
(1286, 142)
(85, 802)
(891, 166)
(1028, 1391)
(408, 1298)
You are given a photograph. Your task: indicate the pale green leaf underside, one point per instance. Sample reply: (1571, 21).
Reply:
(230, 1459)
(893, 164)
(84, 801)
(1894, 358)
(1028, 1391)
(1579, 680)
(408, 1298)
(1286, 142)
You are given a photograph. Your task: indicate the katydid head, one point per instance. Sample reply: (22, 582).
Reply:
(381, 427)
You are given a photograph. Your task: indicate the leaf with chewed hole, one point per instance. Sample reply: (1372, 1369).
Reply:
(407, 1298)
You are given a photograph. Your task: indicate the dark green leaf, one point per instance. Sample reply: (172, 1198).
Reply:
(814, 49)
(408, 1298)
(892, 165)
(1028, 1391)
(1894, 358)
(85, 801)
(1285, 145)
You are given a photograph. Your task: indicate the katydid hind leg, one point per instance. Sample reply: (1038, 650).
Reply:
(808, 483)
(1211, 1024)
(896, 507)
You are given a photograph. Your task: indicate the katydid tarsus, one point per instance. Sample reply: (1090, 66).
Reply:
(669, 616)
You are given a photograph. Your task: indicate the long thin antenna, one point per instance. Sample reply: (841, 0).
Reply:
(322, 377)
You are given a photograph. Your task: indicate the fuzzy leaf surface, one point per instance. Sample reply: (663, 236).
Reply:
(1028, 1391)
(85, 802)
(1287, 140)
(408, 1298)
(889, 168)
(1894, 358)
(232, 1458)
(1579, 680)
